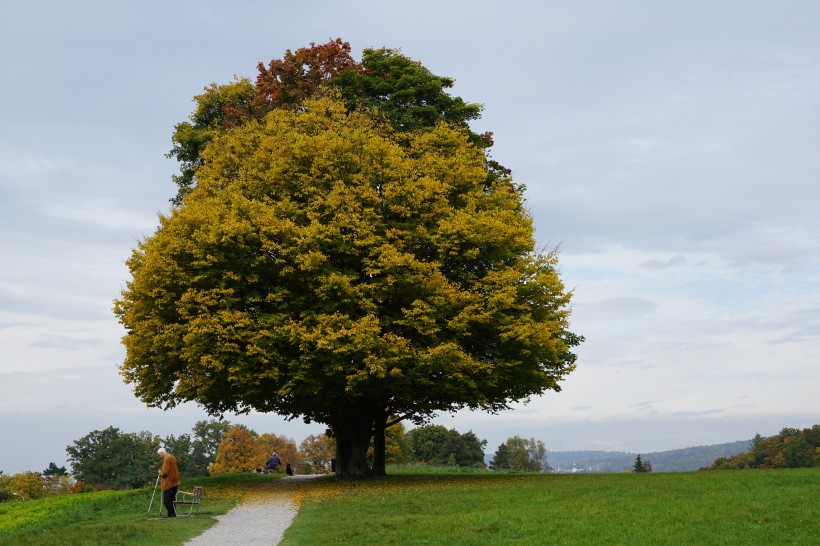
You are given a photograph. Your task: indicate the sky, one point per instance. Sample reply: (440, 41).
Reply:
(670, 150)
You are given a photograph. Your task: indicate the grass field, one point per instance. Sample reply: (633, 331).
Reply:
(117, 517)
(732, 507)
(418, 506)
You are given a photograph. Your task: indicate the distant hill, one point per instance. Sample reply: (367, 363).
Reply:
(676, 460)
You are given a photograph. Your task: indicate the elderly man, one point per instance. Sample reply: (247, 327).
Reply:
(169, 480)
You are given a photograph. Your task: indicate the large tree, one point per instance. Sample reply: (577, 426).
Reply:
(329, 267)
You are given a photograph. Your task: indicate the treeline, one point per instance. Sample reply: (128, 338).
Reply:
(792, 448)
(112, 459)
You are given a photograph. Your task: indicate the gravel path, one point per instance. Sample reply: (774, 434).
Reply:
(253, 524)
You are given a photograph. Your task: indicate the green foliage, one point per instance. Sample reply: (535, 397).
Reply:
(196, 453)
(327, 269)
(113, 459)
(180, 447)
(521, 455)
(410, 96)
(5, 481)
(207, 436)
(435, 445)
(54, 470)
(211, 116)
(791, 448)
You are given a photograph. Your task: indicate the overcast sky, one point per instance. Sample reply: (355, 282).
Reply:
(670, 150)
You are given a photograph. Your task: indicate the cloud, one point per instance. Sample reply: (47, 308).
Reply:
(620, 307)
(102, 213)
(701, 413)
(18, 163)
(676, 260)
(670, 149)
(65, 342)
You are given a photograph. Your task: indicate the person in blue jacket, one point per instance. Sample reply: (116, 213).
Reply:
(273, 463)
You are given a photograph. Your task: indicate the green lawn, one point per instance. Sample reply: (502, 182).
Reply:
(774, 507)
(732, 507)
(116, 517)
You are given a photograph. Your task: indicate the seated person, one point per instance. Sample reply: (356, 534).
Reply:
(273, 463)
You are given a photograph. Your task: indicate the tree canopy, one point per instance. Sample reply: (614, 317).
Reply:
(238, 452)
(317, 452)
(407, 95)
(113, 459)
(329, 266)
(436, 445)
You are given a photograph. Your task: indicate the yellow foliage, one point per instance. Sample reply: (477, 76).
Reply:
(327, 267)
(316, 451)
(28, 485)
(237, 452)
(282, 446)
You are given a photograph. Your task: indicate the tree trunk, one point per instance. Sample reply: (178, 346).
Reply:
(379, 425)
(352, 442)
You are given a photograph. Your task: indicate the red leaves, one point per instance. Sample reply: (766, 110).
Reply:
(298, 75)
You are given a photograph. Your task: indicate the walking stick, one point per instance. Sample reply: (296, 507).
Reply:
(152, 498)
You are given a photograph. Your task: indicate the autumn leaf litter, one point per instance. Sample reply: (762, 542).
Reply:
(260, 519)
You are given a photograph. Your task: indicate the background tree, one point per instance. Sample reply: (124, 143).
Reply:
(436, 445)
(538, 455)
(181, 447)
(316, 452)
(641, 465)
(396, 449)
(238, 452)
(328, 267)
(54, 470)
(5, 481)
(283, 446)
(207, 436)
(520, 455)
(791, 448)
(195, 452)
(114, 459)
(28, 485)
(502, 459)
